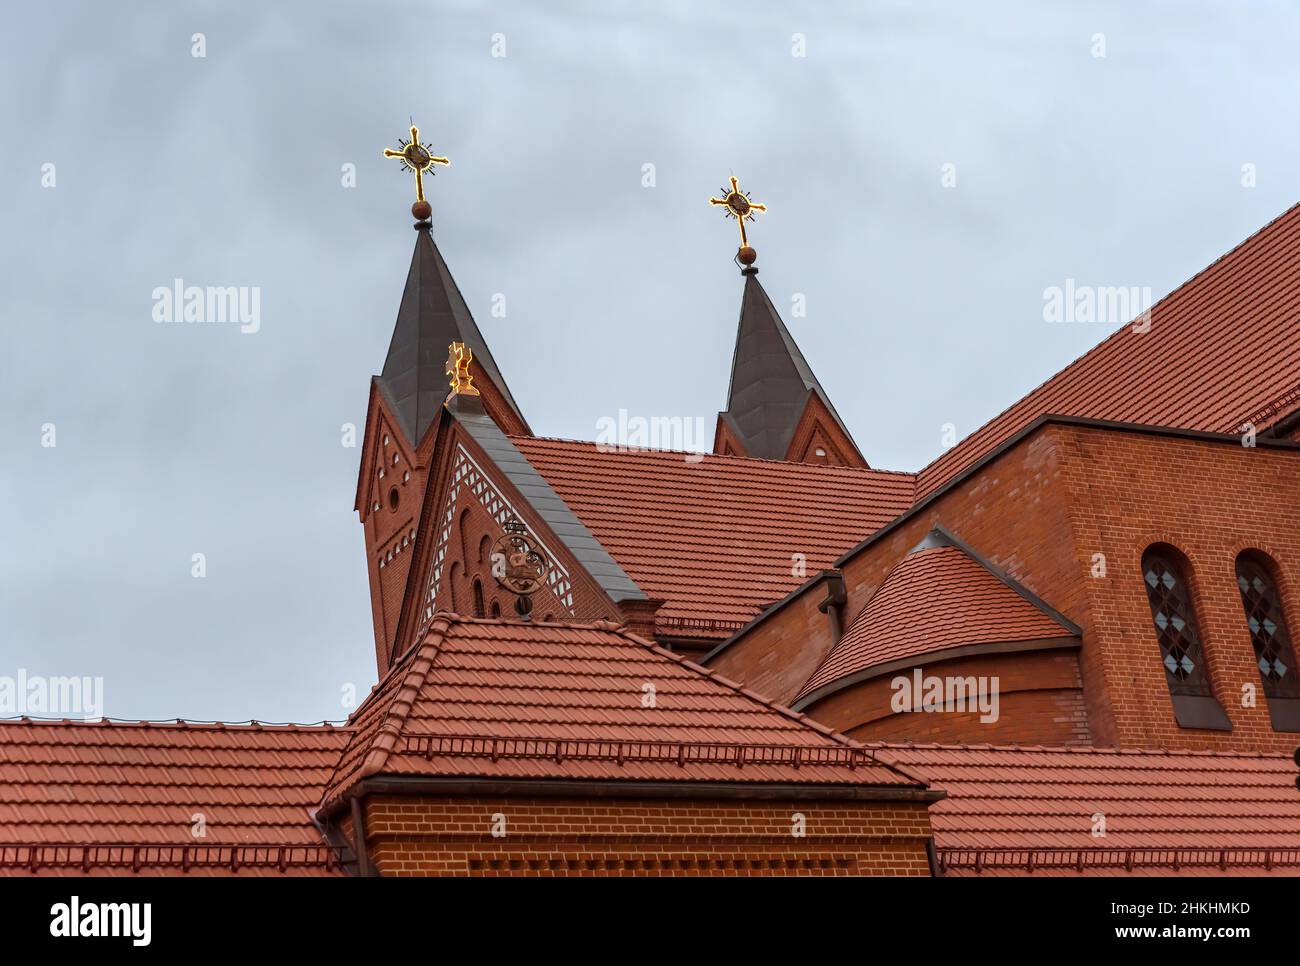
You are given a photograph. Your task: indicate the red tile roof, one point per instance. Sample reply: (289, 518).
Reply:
(715, 536)
(1223, 348)
(104, 797)
(1013, 809)
(510, 700)
(934, 599)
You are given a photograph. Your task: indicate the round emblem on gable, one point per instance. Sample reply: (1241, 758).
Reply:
(517, 563)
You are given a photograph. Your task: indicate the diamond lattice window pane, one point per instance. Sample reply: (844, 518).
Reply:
(1175, 623)
(1268, 631)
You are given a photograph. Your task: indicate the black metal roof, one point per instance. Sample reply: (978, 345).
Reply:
(433, 314)
(770, 380)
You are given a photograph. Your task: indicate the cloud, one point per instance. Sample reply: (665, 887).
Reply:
(923, 302)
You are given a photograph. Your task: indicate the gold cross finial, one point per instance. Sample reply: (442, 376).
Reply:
(419, 158)
(459, 356)
(740, 207)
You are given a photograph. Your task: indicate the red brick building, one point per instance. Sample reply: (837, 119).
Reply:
(1065, 646)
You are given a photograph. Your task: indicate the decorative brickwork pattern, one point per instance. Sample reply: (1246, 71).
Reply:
(631, 837)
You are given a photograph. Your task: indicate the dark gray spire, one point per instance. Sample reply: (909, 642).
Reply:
(770, 380)
(433, 314)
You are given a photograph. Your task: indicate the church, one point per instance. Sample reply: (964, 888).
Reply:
(1065, 647)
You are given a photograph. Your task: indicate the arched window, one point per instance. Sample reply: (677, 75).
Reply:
(484, 546)
(454, 577)
(1266, 622)
(1164, 573)
(478, 598)
(462, 532)
(496, 609)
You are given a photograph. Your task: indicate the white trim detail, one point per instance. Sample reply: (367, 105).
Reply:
(466, 473)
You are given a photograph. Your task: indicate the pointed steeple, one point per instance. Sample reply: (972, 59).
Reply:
(432, 315)
(776, 408)
(434, 337)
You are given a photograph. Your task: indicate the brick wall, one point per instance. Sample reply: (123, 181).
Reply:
(390, 494)
(1210, 500)
(467, 554)
(818, 429)
(590, 837)
(776, 656)
(1015, 512)
(1042, 511)
(1040, 702)
(388, 530)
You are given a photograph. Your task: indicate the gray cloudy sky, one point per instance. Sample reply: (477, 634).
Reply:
(925, 303)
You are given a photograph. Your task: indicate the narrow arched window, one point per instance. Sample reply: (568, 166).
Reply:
(478, 598)
(1164, 573)
(454, 577)
(1171, 610)
(1266, 622)
(462, 533)
(496, 609)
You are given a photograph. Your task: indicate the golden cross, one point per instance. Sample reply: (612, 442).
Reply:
(739, 207)
(459, 356)
(416, 157)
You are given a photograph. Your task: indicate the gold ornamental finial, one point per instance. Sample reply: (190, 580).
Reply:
(419, 158)
(740, 207)
(459, 356)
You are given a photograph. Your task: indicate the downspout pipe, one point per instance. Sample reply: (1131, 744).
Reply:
(833, 604)
(364, 869)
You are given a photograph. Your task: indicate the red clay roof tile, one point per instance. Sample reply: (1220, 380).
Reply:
(94, 796)
(1222, 348)
(934, 599)
(1009, 807)
(716, 536)
(506, 699)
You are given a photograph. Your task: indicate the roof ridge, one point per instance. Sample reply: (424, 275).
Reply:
(712, 456)
(185, 724)
(389, 730)
(595, 624)
(1169, 295)
(451, 617)
(396, 668)
(939, 536)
